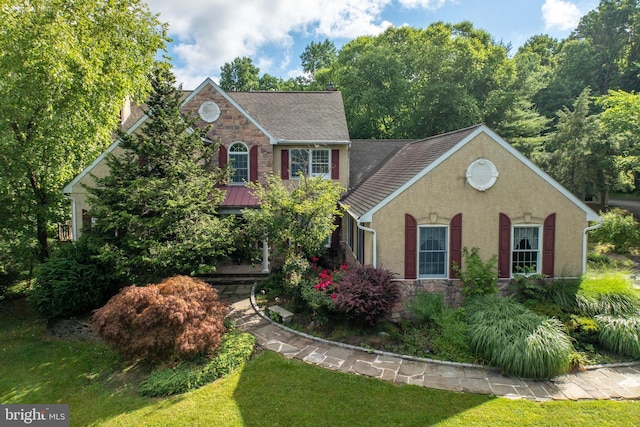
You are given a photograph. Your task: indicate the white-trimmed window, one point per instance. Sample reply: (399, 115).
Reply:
(239, 160)
(311, 162)
(525, 249)
(433, 252)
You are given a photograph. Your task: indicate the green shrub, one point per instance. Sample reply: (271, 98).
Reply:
(365, 294)
(583, 329)
(452, 343)
(426, 307)
(478, 277)
(619, 229)
(72, 282)
(513, 338)
(235, 349)
(621, 335)
(180, 318)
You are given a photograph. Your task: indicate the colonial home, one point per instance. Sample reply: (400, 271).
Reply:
(412, 205)
(260, 133)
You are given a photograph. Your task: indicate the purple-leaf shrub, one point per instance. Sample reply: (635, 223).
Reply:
(366, 294)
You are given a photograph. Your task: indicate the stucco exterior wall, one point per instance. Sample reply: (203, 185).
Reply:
(519, 192)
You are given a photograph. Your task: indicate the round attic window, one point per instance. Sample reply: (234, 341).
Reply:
(482, 174)
(209, 111)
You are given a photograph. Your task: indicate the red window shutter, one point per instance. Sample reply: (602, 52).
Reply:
(222, 157)
(86, 220)
(284, 164)
(410, 247)
(455, 243)
(504, 247)
(253, 164)
(335, 164)
(548, 245)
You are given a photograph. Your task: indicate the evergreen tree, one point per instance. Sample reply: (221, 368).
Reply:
(157, 209)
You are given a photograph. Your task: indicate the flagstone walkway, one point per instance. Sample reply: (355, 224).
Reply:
(606, 382)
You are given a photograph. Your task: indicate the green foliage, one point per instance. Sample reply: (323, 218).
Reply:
(608, 303)
(478, 277)
(157, 209)
(452, 343)
(366, 294)
(67, 67)
(180, 318)
(619, 229)
(235, 349)
(583, 329)
(515, 339)
(239, 75)
(296, 220)
(426, 307)
(620, 334)
(73, 282)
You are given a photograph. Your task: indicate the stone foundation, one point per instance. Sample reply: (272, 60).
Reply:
(451, 289)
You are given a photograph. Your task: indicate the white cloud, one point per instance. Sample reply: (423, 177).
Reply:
(208, 33)
(560, 15)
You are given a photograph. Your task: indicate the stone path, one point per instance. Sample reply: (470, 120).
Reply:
(619, 382)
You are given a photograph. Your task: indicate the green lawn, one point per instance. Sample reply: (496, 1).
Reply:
(268, 391)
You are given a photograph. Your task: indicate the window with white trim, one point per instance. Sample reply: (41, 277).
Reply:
(525, 250)
(311, 162)
(239, 160)
(433, 251)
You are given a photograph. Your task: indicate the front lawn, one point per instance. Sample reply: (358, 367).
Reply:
(268, 390)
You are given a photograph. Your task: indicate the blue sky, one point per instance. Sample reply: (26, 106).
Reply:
(208, 33)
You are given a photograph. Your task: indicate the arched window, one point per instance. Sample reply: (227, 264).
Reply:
(239, 160)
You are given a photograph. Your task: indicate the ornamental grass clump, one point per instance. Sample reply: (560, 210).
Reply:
(621, 335)
(509, 336)
(178, 319)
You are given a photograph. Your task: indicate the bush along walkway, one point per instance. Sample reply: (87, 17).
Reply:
(604, 382)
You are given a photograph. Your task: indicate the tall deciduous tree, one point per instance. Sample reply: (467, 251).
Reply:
(156, 210)
(239, 75)
(65, 69)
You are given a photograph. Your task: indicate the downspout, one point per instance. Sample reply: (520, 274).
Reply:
(584, 243)
(374, 242)
(74, 228)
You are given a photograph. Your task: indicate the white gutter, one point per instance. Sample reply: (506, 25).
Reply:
(584, 242)
(375, 253)
(74, 227)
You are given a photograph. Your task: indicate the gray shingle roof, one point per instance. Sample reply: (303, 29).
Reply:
(367, 155)
(409, 160)
(297, 116)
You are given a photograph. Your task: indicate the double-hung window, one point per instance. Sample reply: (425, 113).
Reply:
(525, 250)
(432, 252)
(239, 160)
(310, 162)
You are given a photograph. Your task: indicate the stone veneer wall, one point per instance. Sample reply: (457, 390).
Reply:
(450, 289)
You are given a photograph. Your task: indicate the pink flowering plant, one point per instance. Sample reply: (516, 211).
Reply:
(322, 290)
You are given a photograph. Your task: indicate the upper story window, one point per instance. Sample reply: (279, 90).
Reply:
(311, 162)
(525, 252)
(239, 160)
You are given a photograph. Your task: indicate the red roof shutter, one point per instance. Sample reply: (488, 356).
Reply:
(253, 164)
(335, 164)
(455, 243)
(410, 247)
(548, 245)
(222, 157)
(504, 247)
(284, 164)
